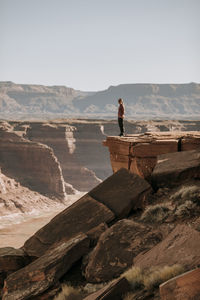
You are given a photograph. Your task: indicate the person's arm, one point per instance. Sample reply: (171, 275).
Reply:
(122, 110)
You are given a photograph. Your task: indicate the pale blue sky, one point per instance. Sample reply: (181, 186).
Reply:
(92, 44)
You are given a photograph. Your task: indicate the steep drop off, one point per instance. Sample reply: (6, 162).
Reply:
(32, 164)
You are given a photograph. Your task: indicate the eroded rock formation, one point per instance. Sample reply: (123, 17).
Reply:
(113, 245)
(138, 153)
(32, 164)
(62, 139)
(145, 238)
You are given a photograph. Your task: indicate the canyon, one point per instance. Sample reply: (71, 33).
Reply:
(44, 164)
(64, 157)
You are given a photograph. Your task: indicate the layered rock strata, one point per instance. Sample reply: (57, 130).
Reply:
(138, 153)
(32, 164)
(62, 139)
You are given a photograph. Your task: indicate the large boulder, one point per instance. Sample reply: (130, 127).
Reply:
(45, 271)
(82, 216)
(116, 248)
(175, 168)
(11, 260)
(185, 286)
(113, 290)
(181, 246)
(122, 192)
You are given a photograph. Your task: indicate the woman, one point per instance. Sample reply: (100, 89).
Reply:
(121, 116)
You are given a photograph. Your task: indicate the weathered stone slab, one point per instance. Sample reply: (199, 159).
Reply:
(119, 161)
(122, 192)
(11, 260)
(190, 143)
(181, 246)
(115, 250)
(154, 148)
(185, 286)
(41, 274)
(50, 294)
(82, 216)
(142, 166)
(112, 291)
(117, 145)
(175, 168)
(96, 232)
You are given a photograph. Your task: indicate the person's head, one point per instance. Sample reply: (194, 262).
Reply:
(120, 101)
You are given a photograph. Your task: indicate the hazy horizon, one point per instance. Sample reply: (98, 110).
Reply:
(91, 45)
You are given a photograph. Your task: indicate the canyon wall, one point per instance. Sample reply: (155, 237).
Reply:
(70, 152)
(32, 164)
(67, 155)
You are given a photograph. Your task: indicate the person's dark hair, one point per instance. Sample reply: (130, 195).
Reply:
(120, 100)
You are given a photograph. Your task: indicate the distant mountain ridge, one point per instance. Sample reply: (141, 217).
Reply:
(142, 101)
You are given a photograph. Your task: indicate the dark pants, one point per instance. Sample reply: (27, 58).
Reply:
(121, 125)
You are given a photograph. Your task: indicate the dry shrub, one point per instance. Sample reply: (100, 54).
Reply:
(186, 209)
(69, 293)
(159, 275)
(134, 276)
(155, 213)
(187, 193)
(151, 278)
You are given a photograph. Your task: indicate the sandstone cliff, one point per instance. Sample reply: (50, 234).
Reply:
(32, 164)
(138, 153)
(67, 148)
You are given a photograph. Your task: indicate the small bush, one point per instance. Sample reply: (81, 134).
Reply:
(186, 209)
(151, 278)
(155, 214)
(157, 276)
(69, 293)
(135, 277)
(187, 193)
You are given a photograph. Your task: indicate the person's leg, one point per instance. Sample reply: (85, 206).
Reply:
(122, 125)
(120, 122)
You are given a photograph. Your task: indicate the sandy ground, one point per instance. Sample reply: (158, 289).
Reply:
(14, 235)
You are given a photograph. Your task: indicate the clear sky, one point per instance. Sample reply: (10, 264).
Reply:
(92, 44)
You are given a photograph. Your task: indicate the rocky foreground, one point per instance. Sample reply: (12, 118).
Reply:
(136, 235)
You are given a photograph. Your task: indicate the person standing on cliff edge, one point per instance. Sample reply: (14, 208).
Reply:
(121, 111)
